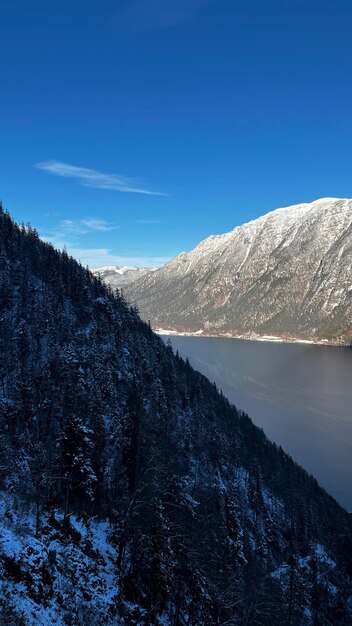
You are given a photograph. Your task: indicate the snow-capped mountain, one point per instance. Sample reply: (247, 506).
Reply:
(120, 276)
(286, 274)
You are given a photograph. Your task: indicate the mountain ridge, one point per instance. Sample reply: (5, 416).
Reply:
(118, 276)
(284, 274)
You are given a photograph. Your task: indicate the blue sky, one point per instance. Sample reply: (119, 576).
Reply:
(130, 130)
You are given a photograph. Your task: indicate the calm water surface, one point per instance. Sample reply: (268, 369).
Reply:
(301, 395)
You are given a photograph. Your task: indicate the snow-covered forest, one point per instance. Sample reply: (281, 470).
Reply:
(132, 492)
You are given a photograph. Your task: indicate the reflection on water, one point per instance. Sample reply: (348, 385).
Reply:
(299, 394)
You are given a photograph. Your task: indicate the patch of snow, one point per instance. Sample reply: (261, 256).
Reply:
(83, 571)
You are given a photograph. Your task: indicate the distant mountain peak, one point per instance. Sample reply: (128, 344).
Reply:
(122, 269)
(118, 276)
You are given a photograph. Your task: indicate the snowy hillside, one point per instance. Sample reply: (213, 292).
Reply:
(58, 575)
(286, 274)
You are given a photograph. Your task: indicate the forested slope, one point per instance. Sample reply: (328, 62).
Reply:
(132, 491)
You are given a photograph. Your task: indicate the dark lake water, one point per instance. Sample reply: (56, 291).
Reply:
(301, 395)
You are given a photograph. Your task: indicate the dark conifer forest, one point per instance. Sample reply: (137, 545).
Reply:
(132, 491)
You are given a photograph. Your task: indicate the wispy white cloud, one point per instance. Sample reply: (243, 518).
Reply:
(68, 236)
(83, 227)
(99, 257)
(67, 233)
(92, 178)
(100, 225)
(140, 15)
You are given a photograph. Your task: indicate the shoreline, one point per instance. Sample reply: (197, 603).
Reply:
(250, 337)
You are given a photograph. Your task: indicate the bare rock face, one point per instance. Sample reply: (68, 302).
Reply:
(286, 274)
(121, 276)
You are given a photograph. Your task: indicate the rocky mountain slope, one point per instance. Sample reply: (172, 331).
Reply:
(118, 277)
(131, 491)
(286, 274)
